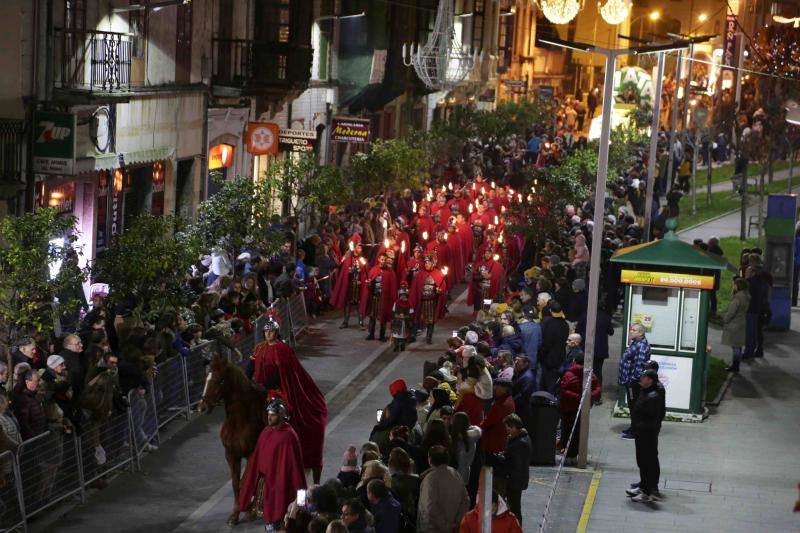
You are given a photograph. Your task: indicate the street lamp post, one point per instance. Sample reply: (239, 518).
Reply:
(651, 162)
(599, 210)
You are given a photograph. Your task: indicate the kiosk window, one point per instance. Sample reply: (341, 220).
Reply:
(657, 309)
(689, 319)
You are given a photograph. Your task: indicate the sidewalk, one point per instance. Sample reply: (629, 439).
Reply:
(735, 472)
(728, 225)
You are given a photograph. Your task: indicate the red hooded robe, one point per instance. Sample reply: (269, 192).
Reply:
(389, 287)
(278, 459)
(341, 288)
(497, 276)
(415, 294)
(305, 404)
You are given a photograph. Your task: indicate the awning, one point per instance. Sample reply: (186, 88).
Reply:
(112, 161)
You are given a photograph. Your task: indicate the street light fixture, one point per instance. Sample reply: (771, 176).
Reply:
(702, 17)
(654, 16)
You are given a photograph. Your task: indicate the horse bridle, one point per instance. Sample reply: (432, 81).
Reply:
(217, 383)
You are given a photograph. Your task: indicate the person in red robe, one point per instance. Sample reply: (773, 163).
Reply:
(380, 296)
(403, 240)
(441, 208)
(458, 203)
(457, 251)
(351, 282)
(429, 296)
(278, 460)
(440, 249)
(424, 226)
(487, 280)
(465, 237)
(414, 265)
(395, 248)
(277, 369)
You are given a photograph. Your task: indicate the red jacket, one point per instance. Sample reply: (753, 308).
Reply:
(503, 523)
(572, 386)
(494, 437)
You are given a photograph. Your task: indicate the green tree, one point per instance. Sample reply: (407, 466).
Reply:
(390, 165)
(147, 264)
(33, 247)
(303, 186)
(239, 215)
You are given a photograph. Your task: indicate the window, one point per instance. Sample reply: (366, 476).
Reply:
(274, 21)
(656, 308)
(478, 12)
(75, 14)
(136, 23)
(690, 311)
(183, 51)
(282, 62)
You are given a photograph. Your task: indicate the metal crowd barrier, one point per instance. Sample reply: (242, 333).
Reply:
(11, 511)
(54, 466)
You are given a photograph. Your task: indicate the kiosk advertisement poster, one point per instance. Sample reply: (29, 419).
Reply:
(676, 375)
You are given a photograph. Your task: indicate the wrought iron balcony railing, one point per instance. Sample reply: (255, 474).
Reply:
(11, 137)
(93, 61)
(246, 63)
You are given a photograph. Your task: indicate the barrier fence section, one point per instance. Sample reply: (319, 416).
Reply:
(56, 465)
(11, 511)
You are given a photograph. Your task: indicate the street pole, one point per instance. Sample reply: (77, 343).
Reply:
(684, 131)
(597, 245)
(694, 171)
(709, 175)
(651, 163)
(739, 148)
(673, 123)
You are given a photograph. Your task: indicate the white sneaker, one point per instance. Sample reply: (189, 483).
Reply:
(642, 498)
(633, 492)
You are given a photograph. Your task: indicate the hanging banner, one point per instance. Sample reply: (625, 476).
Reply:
(157, 204)
(101, 239)
(296, 140)
(61, 198)
(350, 130)
(729, 52)
(262, 138)
(117, 202)
(54, 143)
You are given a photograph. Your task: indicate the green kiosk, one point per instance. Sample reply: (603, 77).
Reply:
(667, 285)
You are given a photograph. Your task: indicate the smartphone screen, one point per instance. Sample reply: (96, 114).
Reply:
(487, 302)
(301, 497)
(455, 333)
(379, 414)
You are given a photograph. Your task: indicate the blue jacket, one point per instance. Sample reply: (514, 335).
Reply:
(387, 515)
(512, 343)
(631, 364)
(531, 334)
(524, 385)
(402, 412)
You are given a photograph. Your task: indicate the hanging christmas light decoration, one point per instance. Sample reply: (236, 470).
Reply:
(615, 11)
(442, 62)
(560, 11)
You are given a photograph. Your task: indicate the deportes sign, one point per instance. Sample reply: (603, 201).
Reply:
(54, 143)
(296, 140)
(350, 130)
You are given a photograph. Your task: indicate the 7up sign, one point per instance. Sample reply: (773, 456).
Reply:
(54, 143)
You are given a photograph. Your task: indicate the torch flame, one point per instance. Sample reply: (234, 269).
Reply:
(403, 246)
(450, 185)
(386, 243)
(500, 238)
(496, 220)
(496, 257)
(483, 190)
(444, 271)
(445, 236)
(530, 198)
(384, 223)
(470, 208)
(474, 187)
(424, 235)
(362, 261)
(414, 206)
(352, 246)
(493, 185)
(502, 209)
(519, 197)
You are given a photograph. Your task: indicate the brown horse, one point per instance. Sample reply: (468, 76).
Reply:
(245, 417)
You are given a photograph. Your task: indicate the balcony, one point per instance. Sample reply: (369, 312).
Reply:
(92, 63)
(11, 142)
(248, 67)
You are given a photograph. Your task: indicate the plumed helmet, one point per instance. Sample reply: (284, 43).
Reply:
(278, 407)
(403, 287)
(400, 221)
(271, 324)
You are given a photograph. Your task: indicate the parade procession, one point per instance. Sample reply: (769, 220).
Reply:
(399, 266)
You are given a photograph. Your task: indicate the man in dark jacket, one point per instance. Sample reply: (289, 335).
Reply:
(648, 413)
(516, 462)
(72, 354)
(756, 311)
(26, 353)
(402, 411)
(28, 406)
(383, 507)
(524, 384)
(555, 332)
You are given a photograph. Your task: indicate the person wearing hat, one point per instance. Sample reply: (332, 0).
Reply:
(429, 296)
(648, 412)
(348, 473)
(279, 372)
(351, 282)
(379, 297)
(402, 319)
(553, 354)
(278, 460)
(401, 411)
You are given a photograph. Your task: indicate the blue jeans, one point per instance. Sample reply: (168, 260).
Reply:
(751, 335)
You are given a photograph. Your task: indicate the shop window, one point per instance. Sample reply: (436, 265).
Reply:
(656, 308)
(690, 311)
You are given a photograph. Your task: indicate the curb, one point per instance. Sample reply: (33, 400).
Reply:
(703, 223)
(716, 401)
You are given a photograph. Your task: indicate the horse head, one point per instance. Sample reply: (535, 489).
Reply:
(213, 392)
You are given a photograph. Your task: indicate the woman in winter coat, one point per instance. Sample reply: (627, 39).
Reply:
(733, 324)
(464, 438)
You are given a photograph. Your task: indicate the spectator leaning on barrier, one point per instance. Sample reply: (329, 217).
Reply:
(28, 407)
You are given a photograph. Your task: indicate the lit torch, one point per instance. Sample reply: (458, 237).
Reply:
(496, 257)
(403, 247)
(386, 243)
(362, 261)
(444, 271)
(424, 235)
(450, 185)
(414, 205)
(519, 197)
(352, 246)
(496, 220)
(470, 209)
(500, 238)
(493, 186)
(502, 209)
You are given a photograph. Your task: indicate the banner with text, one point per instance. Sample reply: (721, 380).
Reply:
(350, 130)
(54, 143)
(667, 279)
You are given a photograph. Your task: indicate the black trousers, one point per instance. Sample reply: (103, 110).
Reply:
(514, 500)
(795, 284)
(597, 368)
(632, 392)
(647, 460)
(550, 380)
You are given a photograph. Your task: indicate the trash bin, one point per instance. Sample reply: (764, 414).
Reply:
(543, 425)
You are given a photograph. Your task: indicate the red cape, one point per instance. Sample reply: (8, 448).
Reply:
(443, 258)
(400, 258)
(339, 296)
(466, 237)
(497, 276)
(388, 292)
(457, 255)
(415, 294)
(424, 224)
(308, 411)
(278, 459)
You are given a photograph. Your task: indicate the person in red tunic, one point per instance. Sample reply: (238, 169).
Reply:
(380, 296)
(403, 240)
(440, 207)
(277, 369)
(429, 296)
(278, 460)
(351, 282)
(456, 250)
(440, 250)
(487, 279)
(414, 264)
(424, 226)
(459, 203)
(402, 319)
